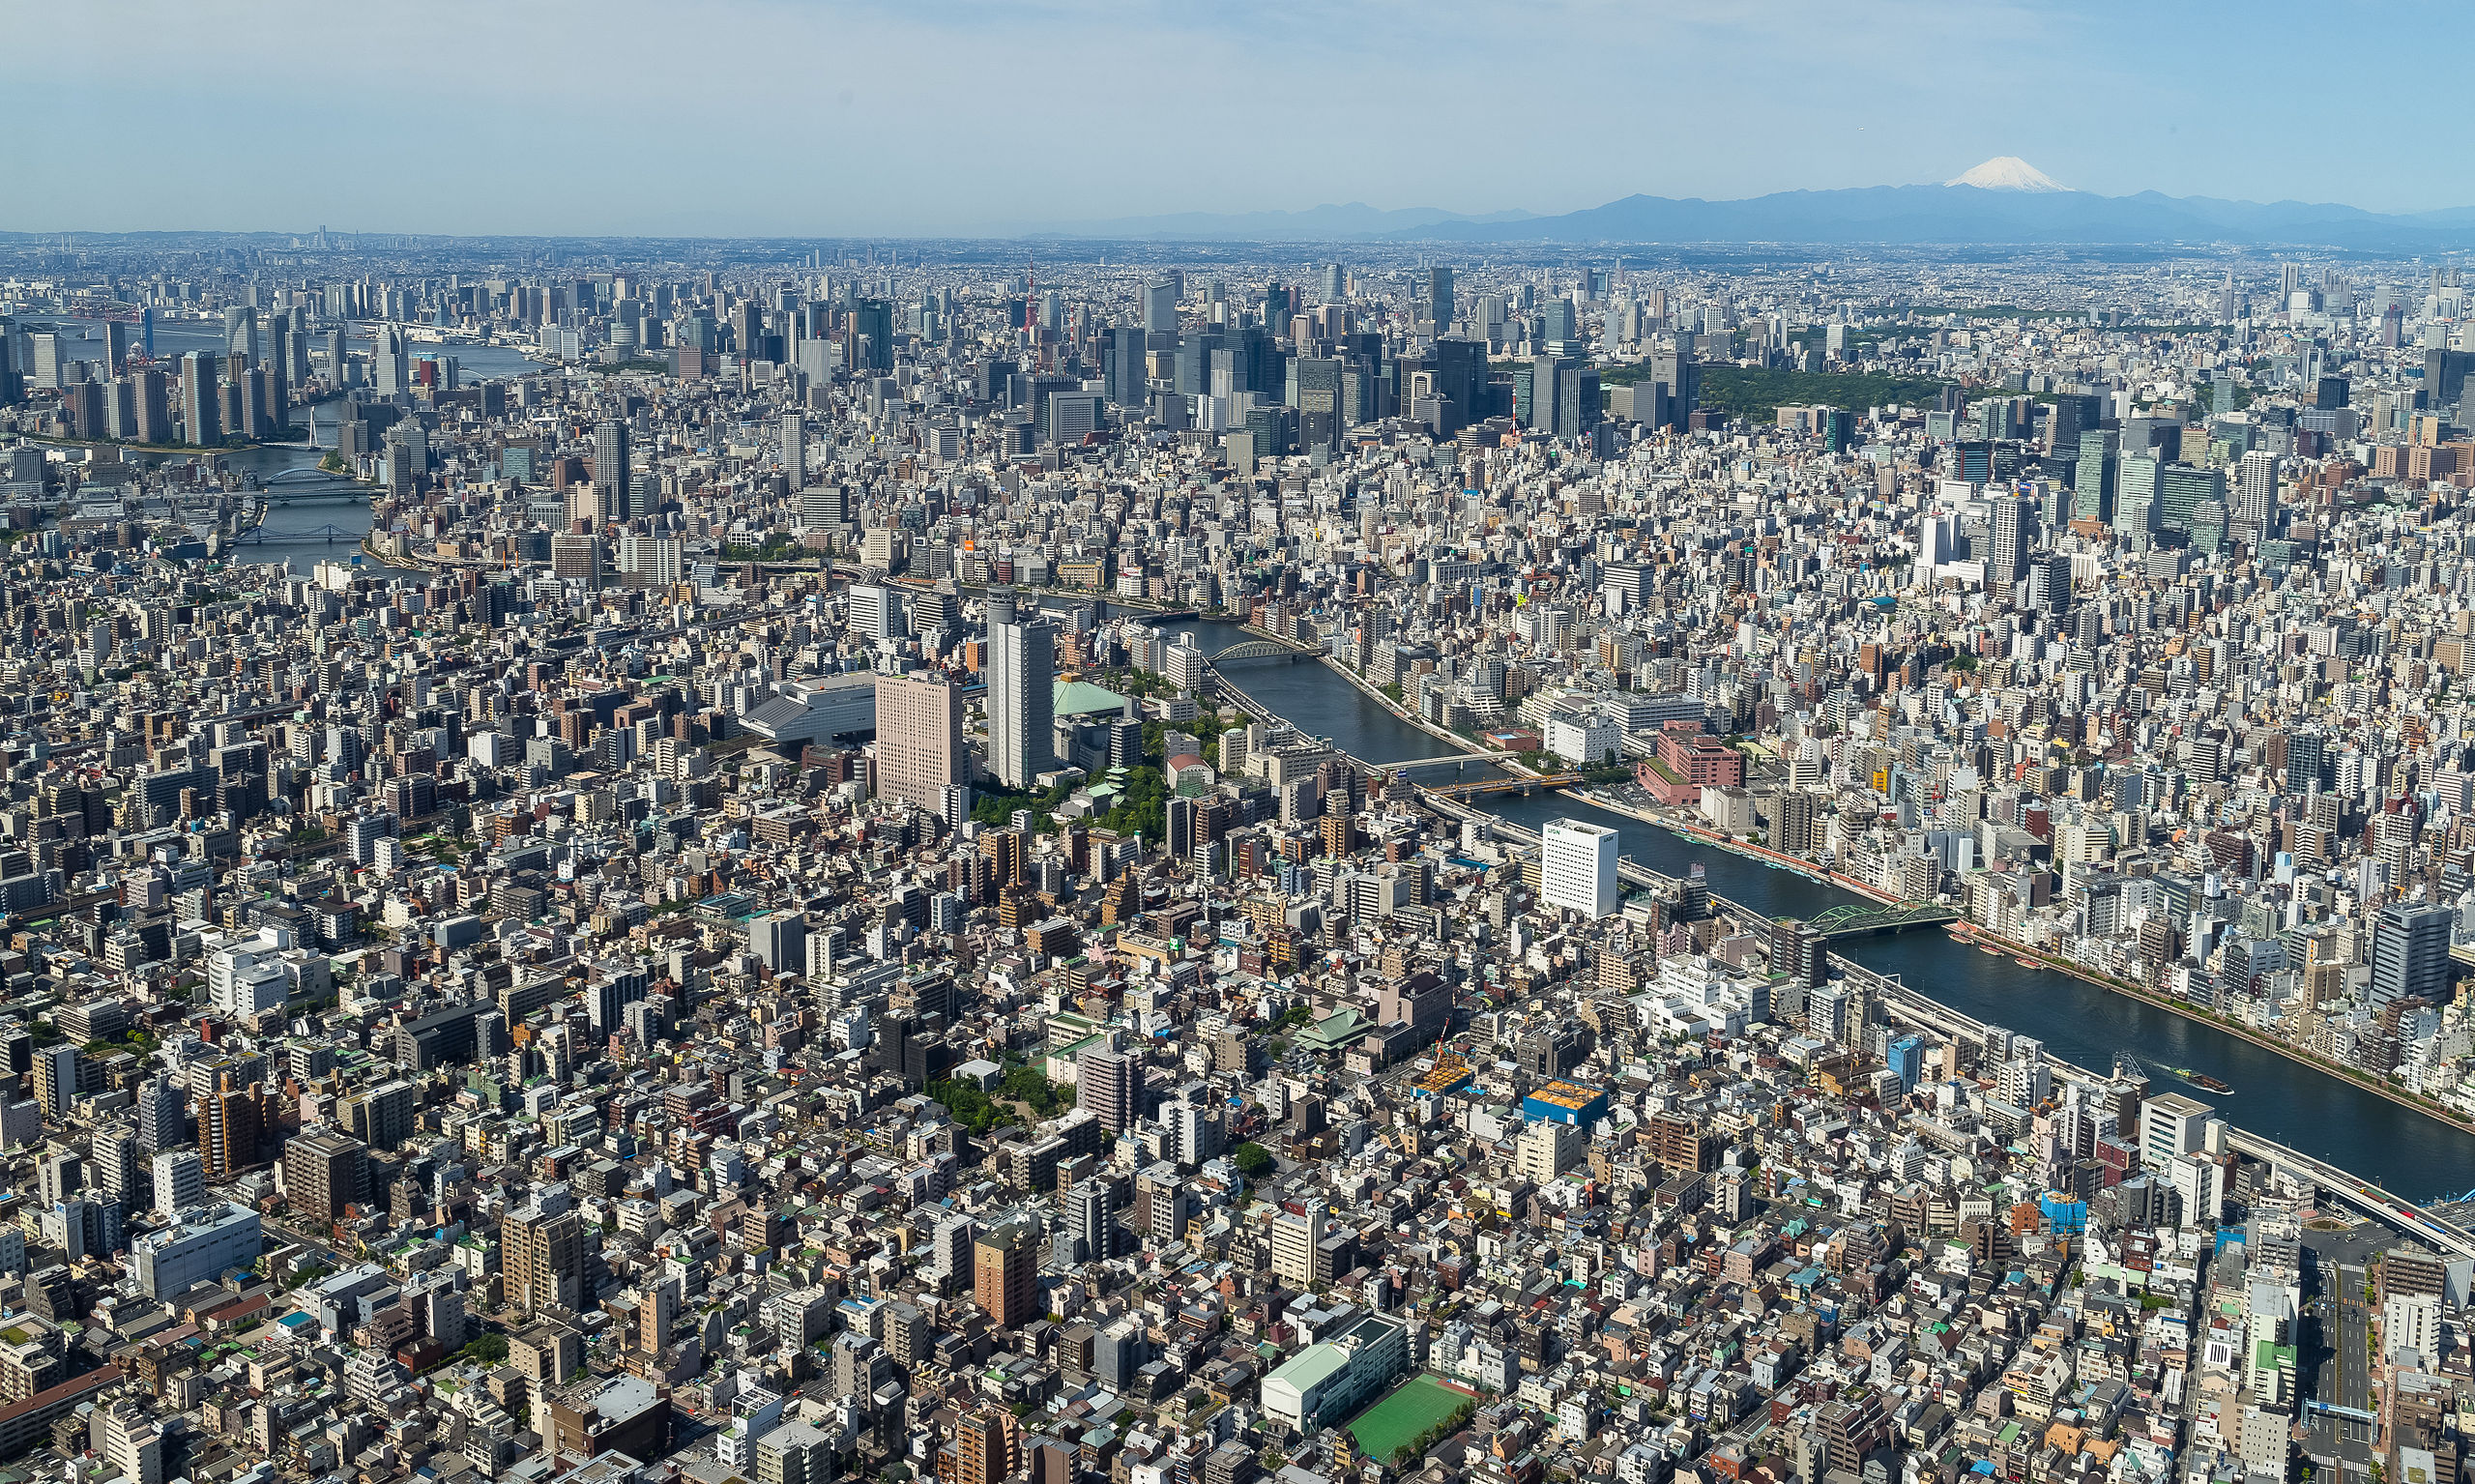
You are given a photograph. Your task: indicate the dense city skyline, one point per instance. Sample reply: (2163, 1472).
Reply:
(654, 831)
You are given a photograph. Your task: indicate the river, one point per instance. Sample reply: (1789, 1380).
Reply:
(300, 534)
(2296, 1105)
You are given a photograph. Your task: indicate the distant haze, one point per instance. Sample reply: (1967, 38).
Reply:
(996, 117)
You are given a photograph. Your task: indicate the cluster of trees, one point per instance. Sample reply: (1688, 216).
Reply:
(978, 1112)
(780, 547)
(993, 804)
(1143, 807)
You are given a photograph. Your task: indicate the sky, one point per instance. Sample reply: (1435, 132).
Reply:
(888, 118)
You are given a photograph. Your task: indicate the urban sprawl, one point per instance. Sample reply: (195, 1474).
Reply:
(752, 929)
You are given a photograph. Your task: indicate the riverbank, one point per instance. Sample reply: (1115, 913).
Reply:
(1407, 719)
(2279, 1097)
(2379, 1088)
(188, 449)
(2046, 960)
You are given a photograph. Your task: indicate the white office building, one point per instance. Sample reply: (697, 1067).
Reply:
(205, 1243)
(1578, 871)
(1022, 679)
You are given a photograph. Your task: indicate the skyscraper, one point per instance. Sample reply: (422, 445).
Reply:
(794, 450)
(1160, 305)
(1128, 384)
(2410, 952)
(610, 468)
(388, 365)
(1440, 296)
(1578, 869)
(1003, 1267)
(201, 414)
(2256, 487)
(2014, 531)
(1022, 674)
(920, 738)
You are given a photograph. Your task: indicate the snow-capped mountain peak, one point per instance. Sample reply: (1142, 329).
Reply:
(2008, 172)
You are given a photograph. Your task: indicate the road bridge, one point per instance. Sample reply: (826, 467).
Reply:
(1852, 919)
(1261, 649)
(330, 533)
(1441, 759)
(1519, 783)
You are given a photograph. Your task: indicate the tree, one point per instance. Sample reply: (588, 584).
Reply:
(1253, 1160)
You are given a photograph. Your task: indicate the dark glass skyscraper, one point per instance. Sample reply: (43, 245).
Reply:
(610, 468)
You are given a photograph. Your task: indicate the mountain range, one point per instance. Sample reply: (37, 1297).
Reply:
(2019, 206)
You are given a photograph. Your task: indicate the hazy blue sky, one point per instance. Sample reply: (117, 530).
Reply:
(764, 117)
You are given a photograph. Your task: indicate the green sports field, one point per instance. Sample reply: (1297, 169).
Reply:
(1420, 1403)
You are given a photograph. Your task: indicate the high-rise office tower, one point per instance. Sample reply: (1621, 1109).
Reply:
(1577, 867)
(2051, 577)
(610, 468)
(241, 332)
(2015, 533)
(389, 366)
(1128, 384)
(876, 612)
(1004, 1269)
(1440, 296)
(201, 412)
(794, 450)
(1022, 674)
(2256, 487)
(1160, 307)
(2410, 952)
(920, 738)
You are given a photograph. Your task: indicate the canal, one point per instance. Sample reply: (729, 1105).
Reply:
(2281, 1099)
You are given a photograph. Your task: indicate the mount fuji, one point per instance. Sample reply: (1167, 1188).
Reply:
(2008, 172)
(2002, 202)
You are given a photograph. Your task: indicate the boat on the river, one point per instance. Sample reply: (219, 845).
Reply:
(2205, 1080)
(2026, 963)
(1987, 947)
